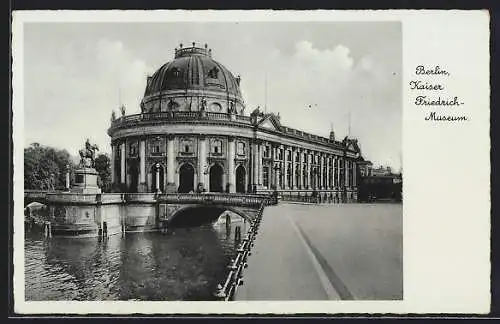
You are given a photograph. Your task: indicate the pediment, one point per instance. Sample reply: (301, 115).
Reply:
(270, 123)
(354, 147)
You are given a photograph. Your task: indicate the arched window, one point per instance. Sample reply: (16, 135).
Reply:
(217, 146)
(186, 146)
(155, 146)
(215, 107)
(133, 149)
(241, 148)
(175, 72)
(265, 176)
(267, 151)
(297, 176)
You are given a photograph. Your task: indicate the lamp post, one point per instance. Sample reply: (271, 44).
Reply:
(157, 169)
(67, 177)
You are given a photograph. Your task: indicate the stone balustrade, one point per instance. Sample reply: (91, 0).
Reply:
(71, 198)
(131, 120)
(250, 200)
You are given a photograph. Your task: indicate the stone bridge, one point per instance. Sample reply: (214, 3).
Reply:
(88, 214)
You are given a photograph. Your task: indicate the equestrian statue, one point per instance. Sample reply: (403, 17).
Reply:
(87, 155)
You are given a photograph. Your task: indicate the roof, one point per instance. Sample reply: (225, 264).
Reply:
(193, 68)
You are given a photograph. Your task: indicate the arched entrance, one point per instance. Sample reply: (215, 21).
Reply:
(240, 179)
(216, 178)
(134, 177)
(157, 168)
(186, 178)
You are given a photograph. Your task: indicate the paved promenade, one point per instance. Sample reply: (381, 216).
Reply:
(326, 252)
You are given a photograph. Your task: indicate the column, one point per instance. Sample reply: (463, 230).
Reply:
(202, 161)
(170, 164)
(122, 163)
(308, 170)
(142, 166)
(285, 168)
(354, 184)
(157, 175)
(230, 164)
(311, 171)
(332, 176)
(346, 163)
(338, 171)
(255, 155)
(272, 172)
(261, 164)
(321, 166)
(67, 177)
(113, 160)
(299, 184)
(328, 174)
(278, 175)
(293, 185)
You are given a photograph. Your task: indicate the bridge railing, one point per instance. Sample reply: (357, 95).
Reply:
(318, 197)
(237, 199)
(227, 290)
(214, 198)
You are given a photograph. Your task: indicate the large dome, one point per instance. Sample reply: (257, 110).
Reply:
(192, 77)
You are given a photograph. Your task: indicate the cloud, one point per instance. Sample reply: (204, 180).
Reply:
(80, 91)
(334, 84)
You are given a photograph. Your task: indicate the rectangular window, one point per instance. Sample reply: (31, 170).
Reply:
(265, 176)
(217, 146)
(241, 148)
(132, 149)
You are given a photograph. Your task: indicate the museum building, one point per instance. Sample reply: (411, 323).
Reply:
(193, 135)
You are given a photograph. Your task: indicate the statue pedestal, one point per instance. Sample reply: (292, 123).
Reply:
(86, 181)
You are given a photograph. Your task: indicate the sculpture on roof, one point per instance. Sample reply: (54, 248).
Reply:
(257, 112)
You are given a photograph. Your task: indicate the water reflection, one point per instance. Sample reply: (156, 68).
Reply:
(184, 264)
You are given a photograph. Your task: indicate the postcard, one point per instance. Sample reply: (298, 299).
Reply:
(251, 162)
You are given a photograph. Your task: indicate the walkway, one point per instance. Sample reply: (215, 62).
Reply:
(325, 252)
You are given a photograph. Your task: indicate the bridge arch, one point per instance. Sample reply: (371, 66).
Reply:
(199, 214)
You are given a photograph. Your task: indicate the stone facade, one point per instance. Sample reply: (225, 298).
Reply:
(195, 147)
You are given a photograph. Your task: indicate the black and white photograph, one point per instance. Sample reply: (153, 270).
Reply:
(213, 161)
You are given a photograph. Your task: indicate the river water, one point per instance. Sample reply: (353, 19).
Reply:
(183, 264)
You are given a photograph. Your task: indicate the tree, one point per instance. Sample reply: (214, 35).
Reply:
(102, 165)
(45, 167)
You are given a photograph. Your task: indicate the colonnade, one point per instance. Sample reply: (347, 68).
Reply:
(202, 164)
(295, 168)
(283, 167)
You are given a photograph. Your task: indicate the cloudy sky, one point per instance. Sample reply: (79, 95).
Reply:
(74, 73)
